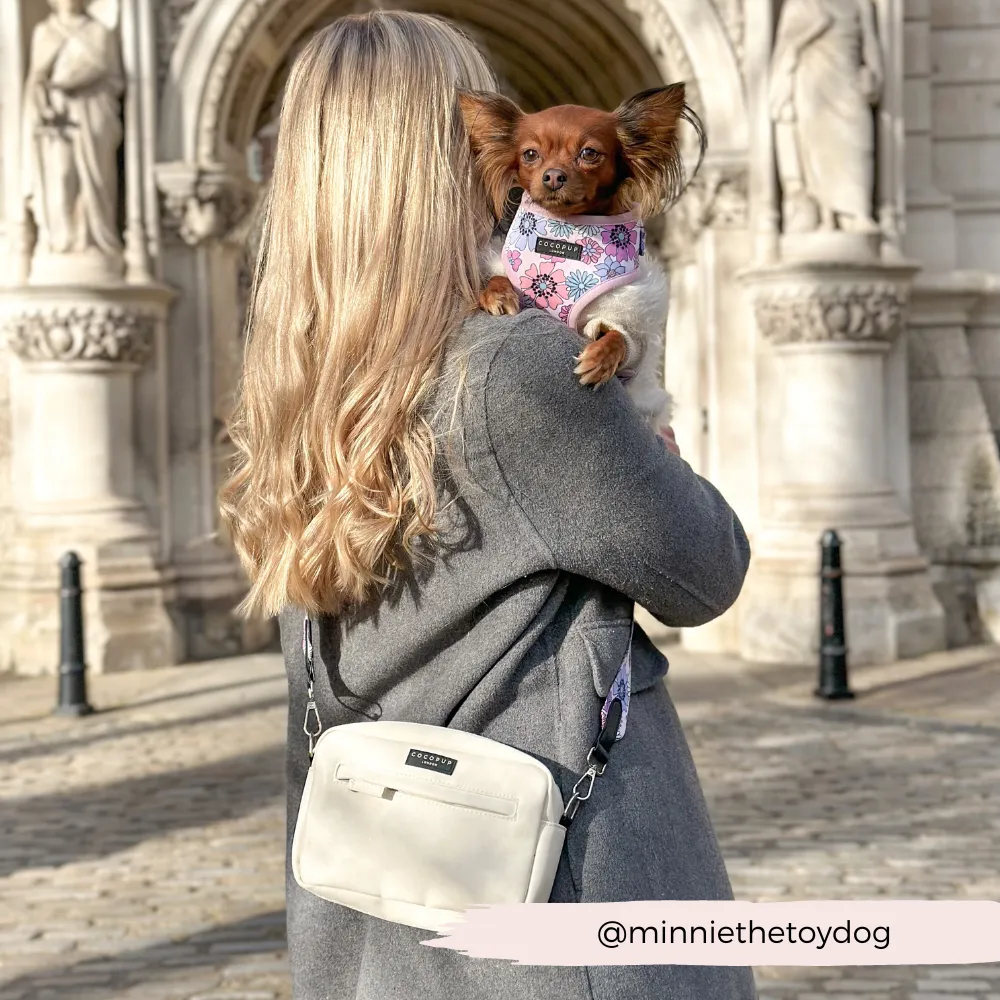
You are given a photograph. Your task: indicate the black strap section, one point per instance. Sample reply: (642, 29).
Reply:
(601, 751)
(597, 760)
(307, 650)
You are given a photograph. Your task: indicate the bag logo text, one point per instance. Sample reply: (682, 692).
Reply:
(431, 761)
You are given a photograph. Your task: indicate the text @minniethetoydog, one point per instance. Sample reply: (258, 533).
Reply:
(614, 934)
(673, 932)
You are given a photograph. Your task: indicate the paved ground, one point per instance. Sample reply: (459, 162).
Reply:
(895, 795)
(140, 849)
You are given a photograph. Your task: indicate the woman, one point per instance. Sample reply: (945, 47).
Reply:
(469, 526)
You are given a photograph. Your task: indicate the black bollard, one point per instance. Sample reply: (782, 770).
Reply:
(72, 667)
(833, 684)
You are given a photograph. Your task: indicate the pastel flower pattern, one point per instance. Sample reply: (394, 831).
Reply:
(610, 268)
(544, 287)
(528, 225)
(608, 254)
(620, 241)
(560, 229)
(592, 251)
(620, 691)
(578, 283)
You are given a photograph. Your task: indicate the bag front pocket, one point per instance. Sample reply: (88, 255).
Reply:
(385, 785)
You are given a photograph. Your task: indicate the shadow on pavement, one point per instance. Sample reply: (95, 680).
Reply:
(55, 829)
(192, 693)
(59, 742)
(161, 964)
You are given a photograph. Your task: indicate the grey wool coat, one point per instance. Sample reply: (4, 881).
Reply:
(562, 508)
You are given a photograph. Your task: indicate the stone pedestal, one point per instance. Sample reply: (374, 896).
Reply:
(88, 267)
(76, 351)
(830, 326)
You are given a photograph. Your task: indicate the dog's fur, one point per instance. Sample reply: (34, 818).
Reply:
(609, 162)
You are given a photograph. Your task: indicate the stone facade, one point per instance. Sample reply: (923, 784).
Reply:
(952, 77)
(832, 344)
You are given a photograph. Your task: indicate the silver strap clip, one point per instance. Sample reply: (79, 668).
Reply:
(312, 715)
(312, 726)
(577, 796)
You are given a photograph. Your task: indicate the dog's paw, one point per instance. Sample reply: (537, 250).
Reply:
(601, 358)
(499, 298)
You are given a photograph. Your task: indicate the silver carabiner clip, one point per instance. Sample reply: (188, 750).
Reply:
(312, 713)
(576, 796)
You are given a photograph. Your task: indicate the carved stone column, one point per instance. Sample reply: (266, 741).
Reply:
(826, 429)
(710, 362)
(201, 207)
(76, 352)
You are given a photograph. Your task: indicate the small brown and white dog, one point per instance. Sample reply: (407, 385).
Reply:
(576, 247)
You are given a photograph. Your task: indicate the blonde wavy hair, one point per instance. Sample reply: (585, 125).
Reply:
(368, 260)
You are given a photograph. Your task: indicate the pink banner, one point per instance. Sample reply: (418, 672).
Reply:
(872, 932)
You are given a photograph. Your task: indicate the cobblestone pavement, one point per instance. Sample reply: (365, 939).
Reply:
(895, 795)
(141, 848)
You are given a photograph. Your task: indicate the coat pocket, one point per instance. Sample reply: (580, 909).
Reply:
(606, 643)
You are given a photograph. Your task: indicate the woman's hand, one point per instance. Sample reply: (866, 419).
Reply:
(667, 433)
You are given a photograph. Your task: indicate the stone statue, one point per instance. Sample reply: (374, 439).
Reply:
(72, 132)
(826, 76)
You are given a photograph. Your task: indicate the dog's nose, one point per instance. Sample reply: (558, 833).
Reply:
(553, 179)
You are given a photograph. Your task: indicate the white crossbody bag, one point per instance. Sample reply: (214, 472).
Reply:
(416, 823)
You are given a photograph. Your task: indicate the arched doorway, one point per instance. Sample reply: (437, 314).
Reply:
(223, 69)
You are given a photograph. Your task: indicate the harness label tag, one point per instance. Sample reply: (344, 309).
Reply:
(558, 248)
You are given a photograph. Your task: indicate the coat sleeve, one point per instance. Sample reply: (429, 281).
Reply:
(600, 488)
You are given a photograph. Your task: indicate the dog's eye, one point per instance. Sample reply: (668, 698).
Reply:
(529, 155)
(589, 154)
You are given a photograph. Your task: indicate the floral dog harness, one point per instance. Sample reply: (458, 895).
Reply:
(560, 265)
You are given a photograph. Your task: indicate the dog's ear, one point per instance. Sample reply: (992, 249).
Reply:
(491, 120)
(648, 127)
(491, 123)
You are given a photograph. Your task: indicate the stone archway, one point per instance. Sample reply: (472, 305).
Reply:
(230, 50)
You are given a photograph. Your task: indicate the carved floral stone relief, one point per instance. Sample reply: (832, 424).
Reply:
(92, 333)
(810, 312)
